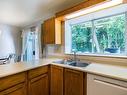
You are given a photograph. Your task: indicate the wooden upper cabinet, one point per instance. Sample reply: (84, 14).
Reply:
(52, 31)
(73, 82)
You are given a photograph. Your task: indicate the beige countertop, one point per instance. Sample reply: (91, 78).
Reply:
(111, 71)
(116, 72)
(10, 69)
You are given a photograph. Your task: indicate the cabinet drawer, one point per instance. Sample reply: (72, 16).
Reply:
(12, 80)
(38, 71)
(19, 89)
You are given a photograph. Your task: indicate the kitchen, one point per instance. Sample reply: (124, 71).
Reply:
(74, 47)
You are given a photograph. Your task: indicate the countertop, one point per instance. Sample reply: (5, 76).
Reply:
(112, 71)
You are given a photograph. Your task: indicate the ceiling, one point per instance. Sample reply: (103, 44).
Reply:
(25, 12)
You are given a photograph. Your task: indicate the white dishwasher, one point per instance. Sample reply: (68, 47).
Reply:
(98, 85)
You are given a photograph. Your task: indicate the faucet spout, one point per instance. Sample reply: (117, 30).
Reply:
(75, 56)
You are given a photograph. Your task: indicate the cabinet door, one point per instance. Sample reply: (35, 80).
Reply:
(85, 84)
(46, 32)
(56, 80)
(16, 90)
(51, 28)
(49, 31)
(73, 82)
(39, 85)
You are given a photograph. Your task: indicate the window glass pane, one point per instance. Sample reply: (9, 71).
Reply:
(110, 34)
(81, 37)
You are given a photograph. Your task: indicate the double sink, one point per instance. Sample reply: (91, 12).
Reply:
(72, 63)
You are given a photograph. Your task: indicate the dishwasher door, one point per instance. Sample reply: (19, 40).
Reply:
(98, 85)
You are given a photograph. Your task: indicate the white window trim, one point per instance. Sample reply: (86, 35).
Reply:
(126, 34)
(68, 37)
(99, 55)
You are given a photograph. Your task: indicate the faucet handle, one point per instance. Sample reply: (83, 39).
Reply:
(68, 59)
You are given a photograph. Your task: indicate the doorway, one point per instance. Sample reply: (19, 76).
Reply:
(30, 45)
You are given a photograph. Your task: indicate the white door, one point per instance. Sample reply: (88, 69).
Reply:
(97, 85)
(30, 50)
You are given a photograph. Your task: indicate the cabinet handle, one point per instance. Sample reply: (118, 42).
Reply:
(73, 71)
(38, 78)
(12, 89)
(110, 84)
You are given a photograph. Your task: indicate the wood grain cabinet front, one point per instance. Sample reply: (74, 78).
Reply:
(14, 84)
(45, 80)
(39, 85)
(73, 82)
(12, 80)
(37, 71)
(19, 89)
(38, 81)
(56, 80)
(51, 31)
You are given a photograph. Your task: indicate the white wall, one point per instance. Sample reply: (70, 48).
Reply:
(10, 40)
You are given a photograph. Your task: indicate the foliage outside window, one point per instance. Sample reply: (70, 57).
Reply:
(101, 36)
(81, 37)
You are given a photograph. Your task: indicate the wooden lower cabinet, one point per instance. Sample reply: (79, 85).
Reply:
(19, 89)
(73, 82)
(85, 84)
(14, 84)
(39, 85)
(39, 81)
(56, 80)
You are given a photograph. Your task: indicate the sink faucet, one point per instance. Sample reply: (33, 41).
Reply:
(75, 56)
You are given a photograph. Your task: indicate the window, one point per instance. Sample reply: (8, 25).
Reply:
(105, 35)
(81, 37)
(110, 34)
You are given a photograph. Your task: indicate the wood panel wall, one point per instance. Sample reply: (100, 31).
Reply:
(85, 4)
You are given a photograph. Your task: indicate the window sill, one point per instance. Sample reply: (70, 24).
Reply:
(99, 55)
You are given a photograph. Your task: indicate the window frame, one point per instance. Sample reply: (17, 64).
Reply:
(99, 54)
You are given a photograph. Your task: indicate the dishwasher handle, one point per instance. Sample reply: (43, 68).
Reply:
(110, 84)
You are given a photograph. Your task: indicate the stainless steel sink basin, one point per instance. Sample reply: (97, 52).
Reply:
(72, 63)
(59, 62)
(79, 64)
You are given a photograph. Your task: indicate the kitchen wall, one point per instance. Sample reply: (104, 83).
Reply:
(10, 40)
